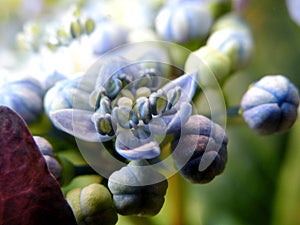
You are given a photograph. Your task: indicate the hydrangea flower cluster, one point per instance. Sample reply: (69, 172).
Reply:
(139, 105)
(135, 108)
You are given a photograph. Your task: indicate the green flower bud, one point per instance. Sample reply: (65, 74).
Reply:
(138, 189)
(92, 205)
(76, 29)
(211, 64)
(230, 20)
(89, 26)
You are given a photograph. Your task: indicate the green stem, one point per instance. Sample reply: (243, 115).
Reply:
(233, 111)
(140, 220)
(177, 203)
(84, 170)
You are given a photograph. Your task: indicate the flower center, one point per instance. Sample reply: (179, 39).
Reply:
(132, 103)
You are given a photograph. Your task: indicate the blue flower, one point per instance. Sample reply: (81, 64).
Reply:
(200, 150)
(132, 104)
(270, 105)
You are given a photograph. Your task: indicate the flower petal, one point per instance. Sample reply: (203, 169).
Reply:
(132, 147)
(188, 85)
(176, 121)
(77, 123)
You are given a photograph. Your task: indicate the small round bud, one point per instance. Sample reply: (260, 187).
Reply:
(106, 36)
(46, 149)
(24, 94)
(183, 22)
(212, 65)
(125, 116)
(200, 150)
(236, 43)
(61, 95)
(76, 28)
(270, 105)
(138, 189)
(89, 26)
(92, 205)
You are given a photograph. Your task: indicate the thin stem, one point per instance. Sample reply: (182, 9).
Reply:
(140, 220)
(233, 111)
(176, 200)
(84, 170)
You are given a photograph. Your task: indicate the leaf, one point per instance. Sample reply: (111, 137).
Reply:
(78, 123)
(29, 194)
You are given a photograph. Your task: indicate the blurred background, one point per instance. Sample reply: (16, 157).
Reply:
(261, 183)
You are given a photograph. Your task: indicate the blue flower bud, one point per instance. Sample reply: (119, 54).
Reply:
(22, 94)
(125, 117)
(234, 41)
(200, 150)
(106, 36)
(183, 22)
(137, 189)
(52, 79)
(143, 107)
(158, 102)
(113, 87)
(270, 105)
(103, 124)
(61, 95)
(46, 149)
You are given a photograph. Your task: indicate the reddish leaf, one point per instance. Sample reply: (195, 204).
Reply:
(29, 194)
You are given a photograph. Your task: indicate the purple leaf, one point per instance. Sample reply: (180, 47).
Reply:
(29, 194)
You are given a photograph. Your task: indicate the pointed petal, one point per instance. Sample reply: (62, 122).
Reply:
(188, 84)
(157, 126)
(176, 121)
(133, 148)
(78, 123)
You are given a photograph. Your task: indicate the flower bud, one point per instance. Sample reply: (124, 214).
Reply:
(232, 37)
(212, 65)
(46, 149)
(22, 94)
(200, 150)
(61, 95)
(92, 205)
(183, 22)
(270, 105)
(106, 36)
(138, 189)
